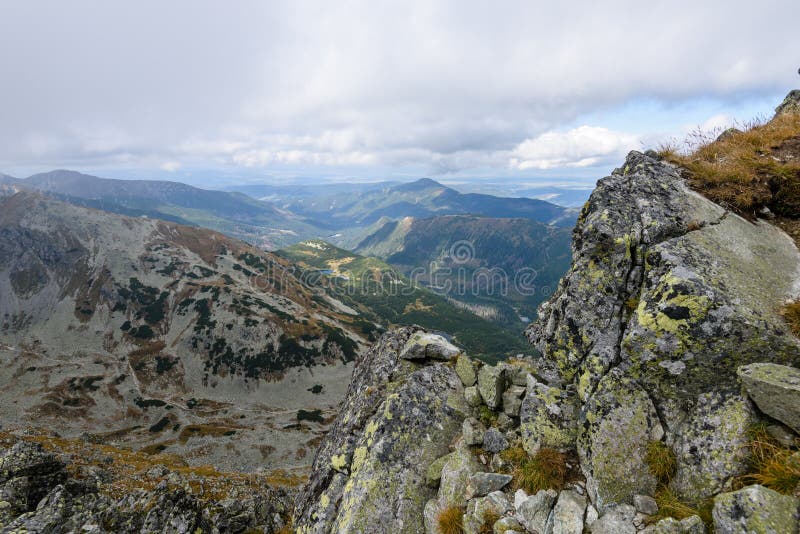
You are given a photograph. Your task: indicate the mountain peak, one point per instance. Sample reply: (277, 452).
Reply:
(419, 185)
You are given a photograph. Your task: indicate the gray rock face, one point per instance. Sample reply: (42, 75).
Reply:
(567, 517)
(534, 510)
(512, 400)
(473, 431)
(667, 296)
(422, 345)
(472, 396)
(492, 381)
(370, 471)
(456, 474)
(465, 369)
(775, 389)
(617, 520)
(480, 484)
(547, 417)
(494, 441)
(645, 504)
(756, 509)
(477, 509)
(790, 104)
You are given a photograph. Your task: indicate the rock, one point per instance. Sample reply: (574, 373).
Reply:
(775, 389)
(782, 435)
(27, 475)
(512, 400)
(567, 516)
(508, 525)
(755, 509)
(712, 447)
(591, 515)
(434, 473)
(617, 520)
(388, 440)
(645, 504)
(473, 431)
(790, 104)
(491, 385)
(481, 483)
(689, 525)
(424, 345)
(465, 369)
(547, 418)
(534, 510)
(472, 396)
(456, 473)
(504, 422)
(475, 516)
(430, 516)
(667, 292)
(494, 441)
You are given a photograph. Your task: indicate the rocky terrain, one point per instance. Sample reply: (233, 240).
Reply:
(153, 335)
(666, 400)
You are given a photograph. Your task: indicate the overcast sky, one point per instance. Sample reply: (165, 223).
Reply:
(241, 90)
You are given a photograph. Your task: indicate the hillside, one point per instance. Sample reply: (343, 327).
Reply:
(502, 268)
(153, 335)
(420, 199)
(235, 214)
(383, 294)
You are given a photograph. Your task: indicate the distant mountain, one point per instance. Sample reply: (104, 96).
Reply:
(502, 268)
(152, 334)
(383, 294)
(422, 198)
(235, 214)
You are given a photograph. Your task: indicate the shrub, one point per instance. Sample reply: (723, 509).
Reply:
(661, 461)
(547, 469)
(451, 520)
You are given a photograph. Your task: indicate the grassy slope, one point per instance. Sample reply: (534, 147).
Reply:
(384, 295)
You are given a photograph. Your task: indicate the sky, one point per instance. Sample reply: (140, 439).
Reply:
(217, 93)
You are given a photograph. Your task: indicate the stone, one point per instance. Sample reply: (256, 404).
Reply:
(494, 441)
(689, 525)
(492, 381)
(456, 473)
(755, 509)
(775, 389)
(482, 483)
(477, 509)
(782, 435)
(387, 440)
(465, 369)
(508, 525)
(591, 515)
(472, 396)
(512, 400)
(534, 510)
(617, 520)
(645, 504)
(425, 345)
(504, 422)
(473, 431)
(567, 516)
(434, 473)
(547, 417)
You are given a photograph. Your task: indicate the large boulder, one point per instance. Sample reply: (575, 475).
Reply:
(667, 296)
(775, 389)
(756, 509)
(399, 416)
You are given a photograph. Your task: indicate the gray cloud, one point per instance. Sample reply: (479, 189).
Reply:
(446, 86)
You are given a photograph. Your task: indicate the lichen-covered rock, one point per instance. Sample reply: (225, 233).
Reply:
(547, 417)
(465, 369)
(481, 483)
(645, 504)
(689, 525)
(567, 516)
(369, 474)
(790, 104)
(477, 510)
(508, 525)
(617, 520)
(533, 511)
(512, 400)
(671, 294)
(775, 389)
(424, 345)
(620, 422)
(473, 396)
(456, 473)
(434, 473)
(494, 441)
(756, 509)
(492, 382)
(472, 431)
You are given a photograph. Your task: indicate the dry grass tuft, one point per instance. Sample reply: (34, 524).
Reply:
(547, 469)
(772, 465)
(451, 520)
(746, 170)
(791, 314)
(669, 505)
(661, 461)
(489, 519)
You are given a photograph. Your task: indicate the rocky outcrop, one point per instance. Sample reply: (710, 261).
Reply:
(667, 296)
(775, 389)
(756, 509)
(371, 471)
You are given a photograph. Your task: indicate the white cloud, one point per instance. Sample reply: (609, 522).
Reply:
(580, 147)
(170, 166)
(720, 121)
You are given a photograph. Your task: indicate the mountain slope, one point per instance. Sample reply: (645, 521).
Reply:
(389, 298)
(423, 198)
(166, 336)
(503, 267)
(235, 214)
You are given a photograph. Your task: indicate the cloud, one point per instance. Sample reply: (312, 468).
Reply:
(446, 86)
(580, 147)
(170, 166)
